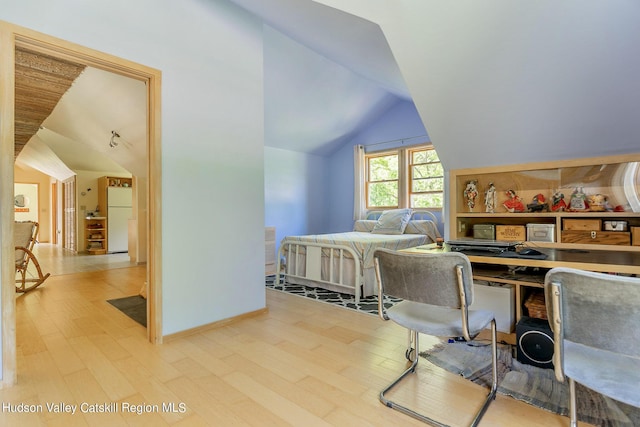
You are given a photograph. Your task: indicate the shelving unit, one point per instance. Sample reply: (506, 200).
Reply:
(95, 231)
(595, 249)
(618, 178)
(115, 181)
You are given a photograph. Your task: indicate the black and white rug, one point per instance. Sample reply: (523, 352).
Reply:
(367, 305)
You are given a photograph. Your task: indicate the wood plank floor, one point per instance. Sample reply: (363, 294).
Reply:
(302, 363)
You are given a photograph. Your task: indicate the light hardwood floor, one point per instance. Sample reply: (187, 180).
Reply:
(302, 363)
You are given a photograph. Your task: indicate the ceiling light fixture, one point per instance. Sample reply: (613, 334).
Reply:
(113, 143)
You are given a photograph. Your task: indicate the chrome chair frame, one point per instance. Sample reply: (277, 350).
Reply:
(412, 352)
(578, 300)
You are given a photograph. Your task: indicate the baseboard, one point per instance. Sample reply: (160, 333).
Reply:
(214, 325)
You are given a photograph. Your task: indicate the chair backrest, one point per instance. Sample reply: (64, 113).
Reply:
(595, 309)
(425, 277)
(24, 235)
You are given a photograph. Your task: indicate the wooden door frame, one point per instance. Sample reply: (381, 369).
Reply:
(12, 36)
(53, 208)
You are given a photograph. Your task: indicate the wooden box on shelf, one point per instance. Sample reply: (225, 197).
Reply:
(582, 224)
(512, 233)
(635, 236)
(620, 238)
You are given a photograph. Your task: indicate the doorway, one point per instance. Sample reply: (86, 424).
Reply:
(12, 37)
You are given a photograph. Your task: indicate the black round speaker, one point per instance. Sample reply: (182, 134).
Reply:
(535, 342)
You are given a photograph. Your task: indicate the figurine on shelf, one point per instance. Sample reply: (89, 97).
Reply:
(490, 199)
(578, 200)
(538, 204)
(557, 202)
(513, 203)
(470, 194)
(599, 203)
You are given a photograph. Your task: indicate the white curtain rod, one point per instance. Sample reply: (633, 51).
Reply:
(402, 140)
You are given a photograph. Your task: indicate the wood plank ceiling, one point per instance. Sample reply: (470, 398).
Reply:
(41, 81)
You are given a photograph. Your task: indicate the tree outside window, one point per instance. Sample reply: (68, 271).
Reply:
(382, 182)
(408, 177)
(426, 179)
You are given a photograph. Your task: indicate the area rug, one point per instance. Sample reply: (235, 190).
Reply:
(367, 305)
(135, 307)
(530, 384)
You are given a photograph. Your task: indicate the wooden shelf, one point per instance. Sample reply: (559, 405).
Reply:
(95, 235)
(616, 177)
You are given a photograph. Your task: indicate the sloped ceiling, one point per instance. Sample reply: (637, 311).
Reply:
(75, 136)
(40, 82)
(327, 75)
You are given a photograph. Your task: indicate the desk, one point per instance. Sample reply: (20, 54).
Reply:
(604, 261)
(528, 274)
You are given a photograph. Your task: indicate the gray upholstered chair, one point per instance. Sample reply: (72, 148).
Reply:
(436, 290)
(595, 319)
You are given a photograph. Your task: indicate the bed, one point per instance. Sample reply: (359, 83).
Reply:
(343, 262)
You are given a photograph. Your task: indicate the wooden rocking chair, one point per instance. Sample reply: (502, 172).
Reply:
(28, 272)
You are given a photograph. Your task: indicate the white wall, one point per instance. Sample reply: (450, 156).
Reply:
(502, 82)
(210, 55)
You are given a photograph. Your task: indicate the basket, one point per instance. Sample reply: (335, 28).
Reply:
(535, 305)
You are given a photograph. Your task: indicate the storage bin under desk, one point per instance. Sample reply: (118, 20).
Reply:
(499, 298)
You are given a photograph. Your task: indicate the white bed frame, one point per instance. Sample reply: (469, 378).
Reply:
(313, 264)
(314, 261)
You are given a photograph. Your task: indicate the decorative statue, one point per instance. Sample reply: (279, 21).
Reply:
(557, 202)
(599, 203)
(470, 194)
(513, 203)
(538, 204)
(578, 201)
(490, 199)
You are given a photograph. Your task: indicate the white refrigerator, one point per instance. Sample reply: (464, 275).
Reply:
(119, 210)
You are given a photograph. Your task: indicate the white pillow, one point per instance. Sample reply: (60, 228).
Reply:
(393, 221)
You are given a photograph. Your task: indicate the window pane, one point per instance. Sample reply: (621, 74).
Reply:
(429, 184)
(426, 200)
(383, 168)
(383, 194)
(427, 170)
(424, 156)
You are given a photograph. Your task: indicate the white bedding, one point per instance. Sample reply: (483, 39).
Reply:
(363, 243)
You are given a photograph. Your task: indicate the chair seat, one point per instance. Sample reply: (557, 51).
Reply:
(437, 321)
(617, 376)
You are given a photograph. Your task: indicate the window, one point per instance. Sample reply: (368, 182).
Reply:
(382, 181)
(407, 177)
(426, 178)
